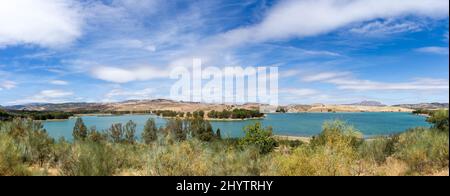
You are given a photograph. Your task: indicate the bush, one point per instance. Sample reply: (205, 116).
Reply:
(315, 161)
(176, 130)
(378, 149)
(338, 134)
(31, 138)
(439, 119)
(149, 133)
(10, 158)
(201, 129)
(89, 159)
(423, 149)
(260, 137)
(115, 133)
(194, 158)
(80, 130)
(130, 131)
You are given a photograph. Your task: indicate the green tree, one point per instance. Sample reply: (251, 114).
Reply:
(149, 134)
(80, 130)
(260, 137)
(115, 133)
(176, 129)
(200, 129)
(439, 119)
(130, 132)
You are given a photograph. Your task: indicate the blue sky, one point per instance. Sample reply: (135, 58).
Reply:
(327, 51)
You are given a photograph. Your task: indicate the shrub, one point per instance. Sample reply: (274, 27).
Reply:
(315, 161)
(194, 158)
(115, 133)
(80, 130)
(31, 139)
(200, 128)
(378, 149)
(149, 133)
(259, 137)
(423, 149)
(96, 136)
(130, 131)
(338, 134)
(10, 158)
(89, 159)
(439, 119)
(176, 130)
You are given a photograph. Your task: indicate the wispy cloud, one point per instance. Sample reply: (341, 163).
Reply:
(284, 22)
(121, 94)
(434, 50)
(46, 96)
(387, 27)
(7, 85)
(346, 81)
(121, 75)
(59, 82)
(324, 76)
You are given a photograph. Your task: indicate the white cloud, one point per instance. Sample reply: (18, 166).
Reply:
(53, 94)
(434, 50)
(7, 85)
(302, 18)
(46, 96)
(59, 82)
(128, 94)
(46, 23)
(381, 28)
(416, 85)
(345, 81)
(120, 75)
(324, 76)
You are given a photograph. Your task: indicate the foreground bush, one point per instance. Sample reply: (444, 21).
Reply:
(194, 158)
(378, 149)
(439, 119)
(258, 137)
(331, 153)
(89, 159)
(25, 148)
(424, 150)
(10, 158)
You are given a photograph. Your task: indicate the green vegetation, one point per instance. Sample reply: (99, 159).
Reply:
(150, 132)
(235, 114)
(261, 138)
(168, 113)
(439, 119)
(80, 131)
(35, 115)
(190, 147)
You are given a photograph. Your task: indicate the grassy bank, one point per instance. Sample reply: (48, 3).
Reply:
(192, 148)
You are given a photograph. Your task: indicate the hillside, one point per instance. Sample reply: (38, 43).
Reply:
(429, 106)
(164, 104)
(344, 108)
(368, 103)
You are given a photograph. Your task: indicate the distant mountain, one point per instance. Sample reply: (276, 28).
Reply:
(368, 103)
(425, 106)
(58, 106)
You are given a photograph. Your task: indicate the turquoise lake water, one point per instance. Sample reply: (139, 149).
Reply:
(302, 124)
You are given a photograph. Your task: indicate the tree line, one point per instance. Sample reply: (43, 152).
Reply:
(34, 115)
(235, 114)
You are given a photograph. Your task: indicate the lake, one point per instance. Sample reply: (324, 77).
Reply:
(299, 124)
